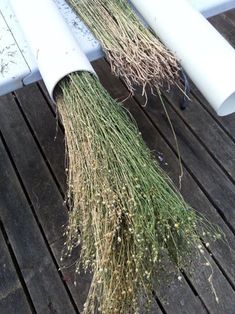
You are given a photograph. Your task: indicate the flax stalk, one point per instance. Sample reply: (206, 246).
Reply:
(124, 211)
(135, 54)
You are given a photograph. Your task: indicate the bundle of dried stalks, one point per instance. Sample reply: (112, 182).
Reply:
(135, 54)
(123, 209)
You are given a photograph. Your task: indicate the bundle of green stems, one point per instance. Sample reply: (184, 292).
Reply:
(124, 211)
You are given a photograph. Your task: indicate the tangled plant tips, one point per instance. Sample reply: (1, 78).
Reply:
(124, 210)
(134, 53)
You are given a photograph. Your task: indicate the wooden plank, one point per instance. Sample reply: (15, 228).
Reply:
(12, 295)
(207, 131)
(43, 282)
(230, 15)
(226, 122)
(36, 177)
(153, 139)
(51, 137)
(225, 24)
(176, 295)
(42, 190)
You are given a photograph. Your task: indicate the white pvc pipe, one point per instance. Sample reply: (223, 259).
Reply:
(56, 50)
(204, 54)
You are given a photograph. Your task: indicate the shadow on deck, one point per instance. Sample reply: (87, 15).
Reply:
(32, 186)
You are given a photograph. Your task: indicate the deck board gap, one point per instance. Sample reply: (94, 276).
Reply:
(159, 303)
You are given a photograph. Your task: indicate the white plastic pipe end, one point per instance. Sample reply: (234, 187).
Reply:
(227, 107)
(55, 49)
(205, 55)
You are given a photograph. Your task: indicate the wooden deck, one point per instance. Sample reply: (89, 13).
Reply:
(32, 185)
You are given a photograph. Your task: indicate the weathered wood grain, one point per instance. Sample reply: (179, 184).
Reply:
(44, 194)
(45, 128)
(207, 131)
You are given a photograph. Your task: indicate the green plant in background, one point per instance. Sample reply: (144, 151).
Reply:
(134, 53)
(124, 210)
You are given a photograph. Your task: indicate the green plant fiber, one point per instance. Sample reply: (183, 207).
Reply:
(135, 54)
(124, 210)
